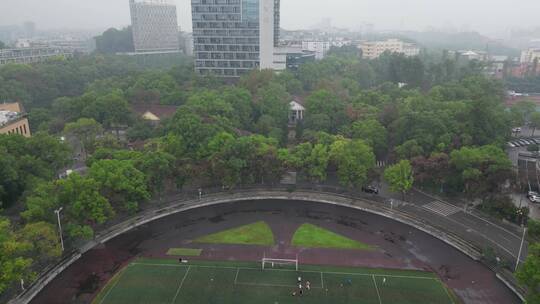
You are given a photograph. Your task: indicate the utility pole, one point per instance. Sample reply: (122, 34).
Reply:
(520, 212)
(57, 211)
(520, 248)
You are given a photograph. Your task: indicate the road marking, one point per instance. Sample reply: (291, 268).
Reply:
(485, 236)
(322, 280)
(180, 286)
(376, 288)
(475, 216)
(441, 208)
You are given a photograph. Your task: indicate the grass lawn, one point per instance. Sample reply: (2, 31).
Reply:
(202, 282)
(184, 252)
(311, 236)
(253, 234)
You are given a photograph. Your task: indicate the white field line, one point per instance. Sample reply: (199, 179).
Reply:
(272, 285)
(180, 286)
(236, 277)
(377, 289)
(290, 270)
(447, 293)
(112, 287)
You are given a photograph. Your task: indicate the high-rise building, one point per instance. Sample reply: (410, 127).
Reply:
(232, 37)
(155, 26)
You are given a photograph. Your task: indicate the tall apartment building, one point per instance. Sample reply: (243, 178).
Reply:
(155, 26)
(232, 37)
(374, 49)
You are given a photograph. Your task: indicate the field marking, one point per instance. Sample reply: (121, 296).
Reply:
(180, 286)
(448, 294)
(236, 277)
(377, 289)
(290, 270)
(112, 287)
(272, 285)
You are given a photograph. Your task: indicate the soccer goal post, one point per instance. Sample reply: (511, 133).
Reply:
(273, 262)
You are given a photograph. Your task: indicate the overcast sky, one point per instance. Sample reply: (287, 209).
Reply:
(486, 16)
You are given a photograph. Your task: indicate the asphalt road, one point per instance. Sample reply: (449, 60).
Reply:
(504, 238)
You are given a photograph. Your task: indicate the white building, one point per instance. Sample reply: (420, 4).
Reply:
(155, 26)
(296, 112)
(266, 33)
(374, 49)
(319, 47)
(32, 55)
(530, 55)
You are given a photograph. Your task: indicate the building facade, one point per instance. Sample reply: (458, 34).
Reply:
(232, 37)
(33, 54)
(374, 49)
(13, 120)
(291, 58)
(319, 47)
(530, 56)
(154, 25)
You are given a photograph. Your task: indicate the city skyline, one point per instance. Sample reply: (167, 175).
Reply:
(488, 17)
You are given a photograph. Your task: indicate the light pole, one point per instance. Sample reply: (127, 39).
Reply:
(57, 211)
(520, 212)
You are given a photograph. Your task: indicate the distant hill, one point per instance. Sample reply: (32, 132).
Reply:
(460, 41)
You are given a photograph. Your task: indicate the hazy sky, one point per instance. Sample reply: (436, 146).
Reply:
(487, 16)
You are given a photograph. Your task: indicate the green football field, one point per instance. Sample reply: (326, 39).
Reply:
(167, 281)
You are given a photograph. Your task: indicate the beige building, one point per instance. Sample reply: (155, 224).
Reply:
(530, 55)
(374, 49)
(13, 119)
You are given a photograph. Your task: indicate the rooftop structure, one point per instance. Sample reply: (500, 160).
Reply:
(234, 36)
(13, 119)
(374, 49)
(154, 112)
(155, 26)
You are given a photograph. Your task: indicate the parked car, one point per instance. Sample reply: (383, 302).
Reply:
(370, 189)
(533, 196)
(511, 145)
(534, 199)
(516, 130)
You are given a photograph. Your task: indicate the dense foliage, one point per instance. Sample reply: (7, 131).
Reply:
(114, 41)
(442, 123)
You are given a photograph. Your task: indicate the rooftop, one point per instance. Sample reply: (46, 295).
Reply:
(8, 116)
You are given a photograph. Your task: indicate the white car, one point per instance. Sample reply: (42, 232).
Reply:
(534, 199)
(533, 196)
(516, 130)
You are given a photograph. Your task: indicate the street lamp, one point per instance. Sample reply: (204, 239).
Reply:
(520, 213)
(57, 211)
